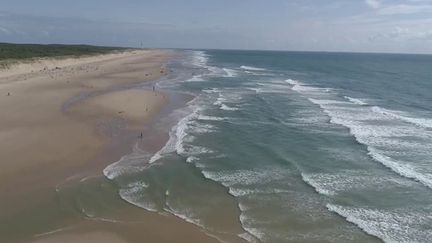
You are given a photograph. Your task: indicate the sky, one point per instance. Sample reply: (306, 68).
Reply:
(398, 26)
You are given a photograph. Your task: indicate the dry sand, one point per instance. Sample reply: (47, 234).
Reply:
(135, 106)
(44, 143)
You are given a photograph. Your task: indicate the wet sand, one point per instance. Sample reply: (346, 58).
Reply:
(62, 122)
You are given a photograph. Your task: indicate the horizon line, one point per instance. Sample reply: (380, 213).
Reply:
(229, 49)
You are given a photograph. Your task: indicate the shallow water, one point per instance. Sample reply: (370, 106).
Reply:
(293, 147)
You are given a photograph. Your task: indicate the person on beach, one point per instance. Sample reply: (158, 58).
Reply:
(154, 90)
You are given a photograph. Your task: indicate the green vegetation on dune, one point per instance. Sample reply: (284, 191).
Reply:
(25, 51)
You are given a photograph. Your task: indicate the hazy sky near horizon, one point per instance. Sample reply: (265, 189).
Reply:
(312, 25)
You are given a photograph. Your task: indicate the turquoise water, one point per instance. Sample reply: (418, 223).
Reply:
(293, 147)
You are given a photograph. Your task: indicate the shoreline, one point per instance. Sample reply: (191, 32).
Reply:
(70, 149)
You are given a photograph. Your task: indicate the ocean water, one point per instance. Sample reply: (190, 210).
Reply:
(293, 147)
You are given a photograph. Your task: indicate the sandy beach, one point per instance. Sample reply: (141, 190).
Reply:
(62, 122)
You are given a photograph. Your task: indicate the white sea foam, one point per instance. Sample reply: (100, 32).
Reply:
(250, 68)
(221, 72)
(328, 102)
(211, 118)
(293, 82)
(355, 101)
(307, 89)
(196, 150)
(270, 87)
(401, 168)
(230, 72)
(182, 132)
(199, 127)
(138, 184)
(422, 122)
(192, 159)
(200, 59)
(321, 189)
(246, 177)
(158, 155)
(130, 163)
(177, 135)
(248, 237)
(221, 103)
(239, 192)
(220, 100)
(375, 136)
(258, 73)
(185, 214)
(136, 195)
(211, 91)
(249, 228)
(390, 226)
(257, 90)
(190, 216)
(347, 180)
(228, 108)
(196, 78)
(384, 132)
(133, 192)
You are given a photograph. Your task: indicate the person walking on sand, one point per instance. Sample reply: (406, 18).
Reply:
(154, 90)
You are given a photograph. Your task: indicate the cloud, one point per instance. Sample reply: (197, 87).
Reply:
(365, 25)
(5, 30)
(373, 3)
(420, 1)
(400, 8)
(405, 9)
(72, 30)
(402, 34)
